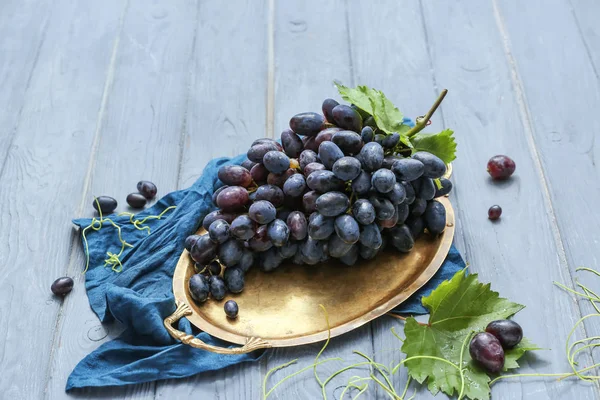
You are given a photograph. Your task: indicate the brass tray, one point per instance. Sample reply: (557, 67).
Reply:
(281, 308)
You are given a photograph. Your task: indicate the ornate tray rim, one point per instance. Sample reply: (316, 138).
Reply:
(182, 299)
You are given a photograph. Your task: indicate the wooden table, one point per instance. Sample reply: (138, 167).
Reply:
(97, 95)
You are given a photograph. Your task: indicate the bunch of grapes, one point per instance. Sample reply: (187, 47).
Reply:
(336, 187)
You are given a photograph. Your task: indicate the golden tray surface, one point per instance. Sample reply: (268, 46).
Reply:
(281, 308)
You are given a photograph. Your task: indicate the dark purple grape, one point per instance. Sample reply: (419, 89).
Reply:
(363, 211)
(219, 231)
(347, 118)
(312, 250)
(410, 193)
(234, 279)
(260, 241)
(289, 249)
(418, 207)
(259, 173)
(370, 121)
(309, 201)
(282, 213)
(391, 140)
(248, 164)
(230, 252)
(445, 189)
(231, 309)
(270, 259)
(199, 288)
(136, 200)
(215, 215)
(331, 204)
(279, 179)
(494, 212)
(308, 123)
(278, 232)
(501, 167)
(312, 167)
(346, 168)
(246, 261)
(336, 247)
(390, 222)
(388, 161)
(366, 252)
(258, 151)
(379, 137)
(297, 225)
(402, 210)
(268, 141)
(62, 286)
(416, 226)
(348, 141)
(310, 143)
(328, 106)
(307, 157)
(367, 134)
(508, 332)
(329, 153)
(325, 136)
(435, 217)
(292, 144)
(434, 166)
(235, 175)
(107, 204)
(383, 180)
(262, 212)
(276, 162)
(426, 188)
(218, 290)
(320, 227)
(190, 241)
(232, 198)
(270, 193)
(408, 169)
(486, 349)
(295, 185)
(362, 184)
(370, 236)
(147, 189)
(401, 238)
(351, 256)
(347, 228)
(397, 195)
(216, 193)
(204, 250)
(214, 268)
(324, 181)
(371, 156)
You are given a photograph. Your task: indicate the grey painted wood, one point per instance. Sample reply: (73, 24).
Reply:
(226, 111)
(46, 166)
(140, 132)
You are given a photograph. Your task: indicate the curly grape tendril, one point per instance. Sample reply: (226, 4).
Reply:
(97, 223)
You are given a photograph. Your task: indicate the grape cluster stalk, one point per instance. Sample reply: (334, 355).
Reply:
(335, 187)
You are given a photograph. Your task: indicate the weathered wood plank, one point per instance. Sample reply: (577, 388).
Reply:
(52, 141)
(555, 74)
(140, 130)
(484, 109)
(18, 19)
(311, 50)
(226, 111)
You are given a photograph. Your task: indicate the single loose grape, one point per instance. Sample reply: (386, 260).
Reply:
(508, 332)
(486, 349)
(136, 200)
(107, 204)
(494, 212)
(501, 167)
(147, 189)
(62, 286)
(231, 309)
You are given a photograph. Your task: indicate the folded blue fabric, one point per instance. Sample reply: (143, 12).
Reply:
(141, 296)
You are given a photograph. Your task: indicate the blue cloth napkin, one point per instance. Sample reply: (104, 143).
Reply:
(141, 296)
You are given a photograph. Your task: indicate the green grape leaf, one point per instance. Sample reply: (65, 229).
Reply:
(387, 117)
(512, 355)
(440, 144)
(458, 308)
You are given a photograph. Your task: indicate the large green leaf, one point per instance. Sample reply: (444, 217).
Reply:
(387, 117)
(457, 308)
(441, 144)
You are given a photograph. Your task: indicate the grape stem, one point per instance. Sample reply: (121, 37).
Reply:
(421, 122)
(404, 318)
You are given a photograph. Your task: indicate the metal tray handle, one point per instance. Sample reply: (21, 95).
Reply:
(184, 310)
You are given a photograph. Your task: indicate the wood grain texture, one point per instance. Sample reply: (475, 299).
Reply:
(226, 112)
(43, 170)
(312, 48)
(519, 254)
(18, 19)
(140, 131)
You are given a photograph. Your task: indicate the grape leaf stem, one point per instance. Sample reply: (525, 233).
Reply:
(421, 123)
